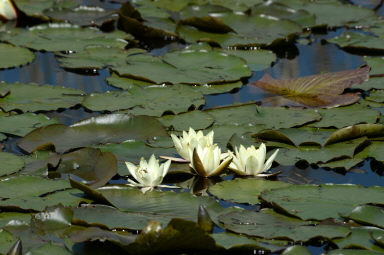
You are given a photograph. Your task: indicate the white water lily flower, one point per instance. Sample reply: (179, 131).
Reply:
(189, 141)
(7, 10)
(148, 174)
(250, 161)
(206, 160)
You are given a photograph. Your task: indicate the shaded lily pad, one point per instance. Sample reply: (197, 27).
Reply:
(6, 241)
(372, 83)
(247, 190)
(95, 215)
(166, 204)
(22, 124)
(36, 7)
(270, 117)
(296, 249)
(356, 131)
(321, 201)
(195, 119)
(33, 97)
(321, 90)
(271, 225)
(23, 186)
(360, 238)
(126, 83)
(367, 215)
(10, 163)
(52, 218)
(90, 164)
(359, 41)
(64, 37)
(376, 96)
(12, 56)
(188, 66)
(346, 116)
(49, 248)
(96, 130)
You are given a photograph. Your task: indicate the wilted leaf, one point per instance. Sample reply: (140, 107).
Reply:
(322, 90)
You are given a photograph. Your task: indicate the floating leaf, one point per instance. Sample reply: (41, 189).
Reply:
(296, 249)
(376, 64)
(372, 83)
(22, 124)
(195, 119)
(355, 131)
(361, 238)
(96, 130)
(49, 248)
(36, 7)
(33, 97)
(12, 217)
(321, 201)
(52, 218)
(376, 96)
(188, 66)
(12, 56)
(247, 190)
(90, 164)
(271, 225)
(352, 252)
(358, 41)
(367, 215)
(256, 59)
(63, 37)
(322, 90)
(10, 163)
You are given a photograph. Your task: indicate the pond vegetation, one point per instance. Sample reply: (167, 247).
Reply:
(97, 97)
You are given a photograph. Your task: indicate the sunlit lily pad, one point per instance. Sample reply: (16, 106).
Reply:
(126, 83)
(23, 186)
(11, 217)
(270, 117)
(195, 119)
(64, 37)
(376, 96)
(367, 215)
(321, 90)
(346, 116)
(321, 201)
(50, 248)
(271, 225)
(359, 41)
(95, 57)
(33, 97)
(361, 238)
(36, 7)
(247, 190)
(188, 66)
(10, 163)
(372, 83)
(6, 241)
(256, 59)
(96, 130)
(352, 252)
(356, 131)
(22, 124)
(376, 64)
(12, 56)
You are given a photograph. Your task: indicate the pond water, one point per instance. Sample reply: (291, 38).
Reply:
(311, 54)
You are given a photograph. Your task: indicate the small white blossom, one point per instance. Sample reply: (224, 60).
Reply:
(250, 161)
(7, 10)
(148, 174)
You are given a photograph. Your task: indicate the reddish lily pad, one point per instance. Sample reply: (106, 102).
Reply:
(322, 90)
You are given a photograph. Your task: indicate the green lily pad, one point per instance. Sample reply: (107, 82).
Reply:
(33, 97)
(367, 215)
(271, 225)
(208, 89)
(346, 116)
(36, 7)
(376, 64)
(195, 119)
(376, 96)
(372, 83)
(247, 190)
(22, 124)
(152, 101)
(70, 197)
(352, 252)
(358, 41)
(361, 238)
(126, 83)
(320, 90)
(321, 201)
(82, 16)
(64, 37)
(167, 204)
(52, 218)
(90, 164)
(96, 130)
(10, 163)
(13, 217)
(12, 56)
(296, 249)
(111, 218)
(188, 66)
(6, 241)
(93, 57)
(256, 59)
(356, 131)
(39, 162)
(2, 137)
(270, 117)
(27, 186)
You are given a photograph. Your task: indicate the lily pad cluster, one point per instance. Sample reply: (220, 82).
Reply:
(64, 188)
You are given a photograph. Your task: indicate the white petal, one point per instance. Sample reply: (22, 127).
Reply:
(269, 162)
(166, 166)
(131, 168)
